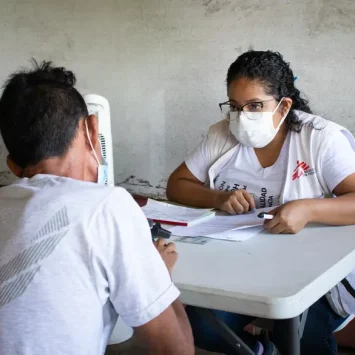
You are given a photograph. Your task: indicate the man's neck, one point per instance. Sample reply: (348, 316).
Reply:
(54, 166)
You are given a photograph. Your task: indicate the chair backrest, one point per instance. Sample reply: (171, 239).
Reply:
(99, 106)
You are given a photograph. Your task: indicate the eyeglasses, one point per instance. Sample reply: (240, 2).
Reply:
(251, 108)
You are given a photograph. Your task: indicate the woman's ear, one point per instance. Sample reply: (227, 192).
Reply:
(14, 168)
(286, 105)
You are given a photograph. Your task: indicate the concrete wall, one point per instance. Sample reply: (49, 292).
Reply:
(162, 64)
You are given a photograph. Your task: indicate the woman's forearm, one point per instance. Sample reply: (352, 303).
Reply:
(333, 211)
(192, 193)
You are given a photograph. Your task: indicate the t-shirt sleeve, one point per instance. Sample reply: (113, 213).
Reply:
(127, 267)
(338, 161)
(213, 146)
(199, 161)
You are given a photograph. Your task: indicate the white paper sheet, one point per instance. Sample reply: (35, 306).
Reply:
(238, 235)
(237, 228)
(162, 211)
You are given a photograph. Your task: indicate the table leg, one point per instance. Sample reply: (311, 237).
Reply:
(290, 343)
(290, 332)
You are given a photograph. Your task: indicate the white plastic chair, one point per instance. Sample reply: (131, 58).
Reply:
(121, 333)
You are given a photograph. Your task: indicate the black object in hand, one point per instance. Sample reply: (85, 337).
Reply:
(157, 230)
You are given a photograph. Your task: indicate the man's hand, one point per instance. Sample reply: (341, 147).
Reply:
(289, 218)
(235, 202)
(167, 252)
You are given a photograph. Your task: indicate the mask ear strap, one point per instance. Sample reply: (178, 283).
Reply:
(278, 105)
(283, 119)
(92, 147)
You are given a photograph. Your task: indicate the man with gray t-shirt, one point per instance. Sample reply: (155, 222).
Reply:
(74, 254)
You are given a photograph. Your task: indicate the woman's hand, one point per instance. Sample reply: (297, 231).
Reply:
(289, 218)
(235, 202)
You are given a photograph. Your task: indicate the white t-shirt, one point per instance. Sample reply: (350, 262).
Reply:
(73, 256)
(243, 171)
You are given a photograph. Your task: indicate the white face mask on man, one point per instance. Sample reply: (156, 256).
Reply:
(102, 169)
(255, 130)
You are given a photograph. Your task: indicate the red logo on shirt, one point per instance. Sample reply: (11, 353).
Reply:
(302, 169)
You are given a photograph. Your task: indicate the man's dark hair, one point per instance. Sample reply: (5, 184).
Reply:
(39, 113)
(277, 77)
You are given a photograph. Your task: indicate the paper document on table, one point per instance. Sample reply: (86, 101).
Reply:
(237, 228)
(238, 235)
(179, 215)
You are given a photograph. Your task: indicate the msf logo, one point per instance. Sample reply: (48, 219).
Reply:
(302, 169)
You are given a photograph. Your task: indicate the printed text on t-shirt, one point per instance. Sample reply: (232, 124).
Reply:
(264, 199)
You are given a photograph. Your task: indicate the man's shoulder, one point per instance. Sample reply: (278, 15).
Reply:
(70, 186)
(79, 198)
(94, 196)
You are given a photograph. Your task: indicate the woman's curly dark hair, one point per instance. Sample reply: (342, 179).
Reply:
(270, 69)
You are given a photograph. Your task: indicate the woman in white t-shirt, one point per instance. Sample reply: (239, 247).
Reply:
(271, 151)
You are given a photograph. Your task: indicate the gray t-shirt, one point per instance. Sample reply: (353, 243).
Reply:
(73, 256)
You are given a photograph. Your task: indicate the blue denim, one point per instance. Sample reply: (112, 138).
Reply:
(318, 338)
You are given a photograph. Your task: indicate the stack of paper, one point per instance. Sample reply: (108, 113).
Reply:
(177, 215)
(236, 228)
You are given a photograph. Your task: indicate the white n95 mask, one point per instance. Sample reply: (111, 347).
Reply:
(255, 130)
(102, 169)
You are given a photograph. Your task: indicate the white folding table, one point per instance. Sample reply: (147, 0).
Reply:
(270, 276)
